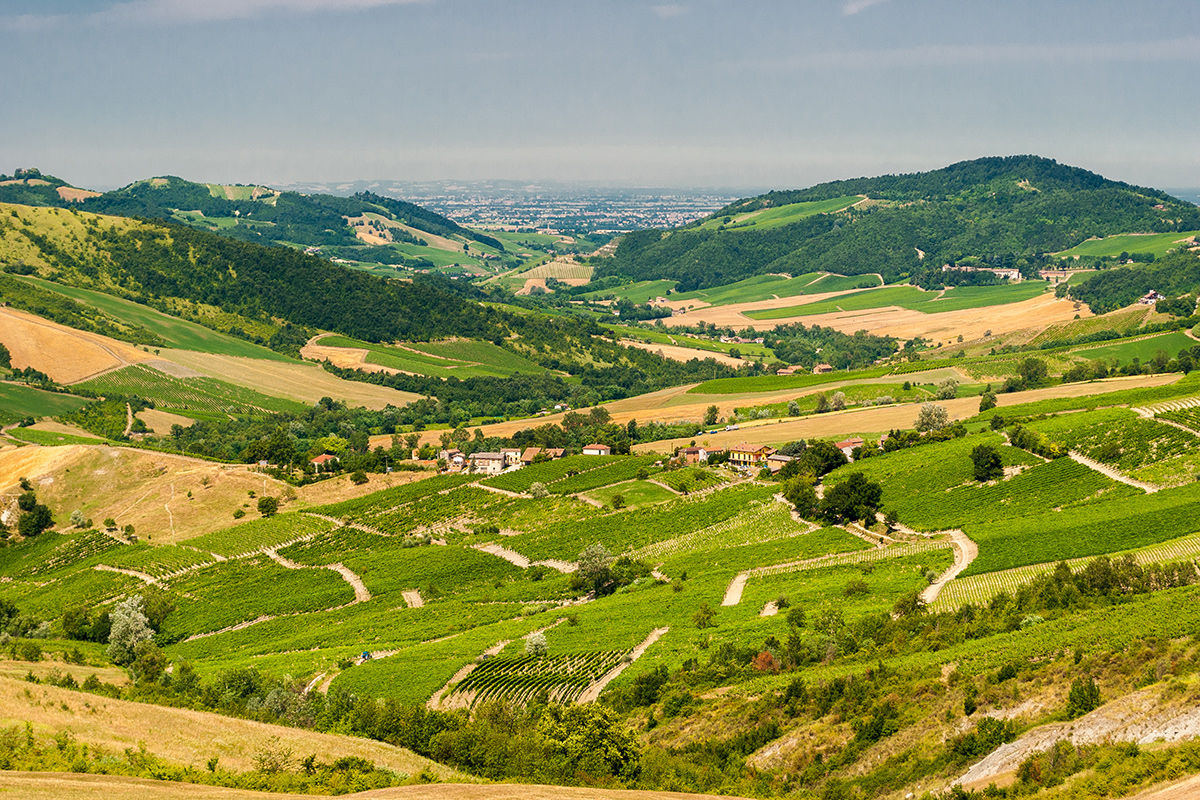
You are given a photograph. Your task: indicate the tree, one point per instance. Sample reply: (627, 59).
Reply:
(1084, 697)
(795, 617)
(988, 465)
(618, 500)
(838, 401)
(130, 627)
(987, 400)
(801, 494)
(793, 408)
(704, 616)
(358, 478)
(538, 490)
(932, 417)
(267, 506)
(1033, 371)
(822, 403)
(711, 414)
(78, 519)
(855, 498)
(34, 521)
(595, 566)
(591, 739)
(947, 389)
(536, 645)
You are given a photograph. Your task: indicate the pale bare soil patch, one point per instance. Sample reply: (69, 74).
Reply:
(57, 785)
(306, 383)
(184, 736)
(344, 357)
(65, 354)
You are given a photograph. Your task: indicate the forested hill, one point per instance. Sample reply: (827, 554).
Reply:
(1005, 211)
(265, 216)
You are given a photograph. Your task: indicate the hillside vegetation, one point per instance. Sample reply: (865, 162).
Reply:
(1005, 211)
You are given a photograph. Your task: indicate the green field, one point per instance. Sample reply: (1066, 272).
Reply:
(1143, 350)
(198, 398)
(460, 359)
(766, 218)
(633, 493)
(779, 383)
(18, 401)
(51, 438)
(910, 297)
(177, 332)
(765, 287)
(1157, 243)
(637, 293)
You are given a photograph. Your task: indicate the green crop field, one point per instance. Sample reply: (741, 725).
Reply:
(638, 293)
(781, 215)
(910, 297)
(177, 332)
(51, 438)
(781, 383)
(1143, 349)
(618, 471)
(765, 287)
(632, 493)
(18, 401)
(1157, 243)
(199, 398)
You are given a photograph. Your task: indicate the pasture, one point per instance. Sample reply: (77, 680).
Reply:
(776, 216)
(959, 298)
(1157, 243)
(18, 401)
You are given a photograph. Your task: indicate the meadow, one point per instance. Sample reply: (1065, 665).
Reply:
(638, 292)
(766, 287)
(1157, 243)
(910, 297)
(1141, 350)
(18, 401)
(199, 398)
(776, 216)
(175, 331)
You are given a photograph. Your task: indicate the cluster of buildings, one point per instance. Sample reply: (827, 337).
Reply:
(1011, 275)
(509, 458)
(818, 369)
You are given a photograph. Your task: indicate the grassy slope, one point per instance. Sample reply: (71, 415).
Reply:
(781, 215)
(177, 332)
(1157, 243)
(910, 297)
(18, 401)
(1144, 349)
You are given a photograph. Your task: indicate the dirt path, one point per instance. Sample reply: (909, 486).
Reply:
(770, 609)
(361, 595)
(1174, 424)
(516, 559)
(592, 693)
(504, 492)
(413, 599)
(1103, 469)
(239, 626)
(965, 551)
(141, 576)
(733, 594)
(128, 420)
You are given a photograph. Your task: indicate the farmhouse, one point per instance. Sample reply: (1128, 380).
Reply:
(322, 460)
(749, 455)
(487, 463)
(847, 446)
(775, 461)
(597, 450)
(694, 455)
(821, 369)
(789, 370)
(529, 455)
(1150, 298)
(512, 456)
(455, 459)
(554, 452)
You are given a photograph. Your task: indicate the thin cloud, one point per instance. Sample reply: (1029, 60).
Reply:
(853, 7)
(951, 55)
(669, 10)
(177, 12)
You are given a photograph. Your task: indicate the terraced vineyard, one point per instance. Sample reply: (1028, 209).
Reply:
(1120, 438)
(1188, 417)
(520, 679)
(199, 398)
(616, 472)
(548, 472)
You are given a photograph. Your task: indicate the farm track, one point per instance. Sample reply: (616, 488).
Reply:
(965, 552)
(592, 693)
(516, 559)
(413, 598)
(1103, 469)
(361, 594)
(149, 580)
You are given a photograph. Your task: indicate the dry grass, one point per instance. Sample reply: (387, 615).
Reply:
(54, 786)
(183, 736)
(345, 357)
(677, 353)
(161, 421)
(63, 353)
(71, 194)
(17, 670)
(306, 383)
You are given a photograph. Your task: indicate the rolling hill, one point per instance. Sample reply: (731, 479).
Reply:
(1004, 211)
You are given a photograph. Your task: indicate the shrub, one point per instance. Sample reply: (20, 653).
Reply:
(267, 506)
(536, 645)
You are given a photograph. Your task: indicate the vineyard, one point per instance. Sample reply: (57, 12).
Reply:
(1187, 417)
(520, 679)
(689, 478)
(1121, 438)
(616, 472)
(548, 472)
(980, 589)
(199, 398)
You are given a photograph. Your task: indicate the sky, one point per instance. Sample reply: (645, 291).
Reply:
(696, 93)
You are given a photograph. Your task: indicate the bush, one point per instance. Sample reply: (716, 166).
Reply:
(536, 645)
(358, 477)
(268, 506)
(1084, 697)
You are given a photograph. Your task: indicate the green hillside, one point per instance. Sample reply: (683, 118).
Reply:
(1006, 211)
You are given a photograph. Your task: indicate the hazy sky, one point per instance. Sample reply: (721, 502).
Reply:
(738, 93)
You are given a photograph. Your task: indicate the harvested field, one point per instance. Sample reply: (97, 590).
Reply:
(183, 736)
(345, 357)
(883, 419)
(161, 421)
(1038, 312)
(56, 785)
(676, 353)
(306, 383)
(65, 354)
(73, 195)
